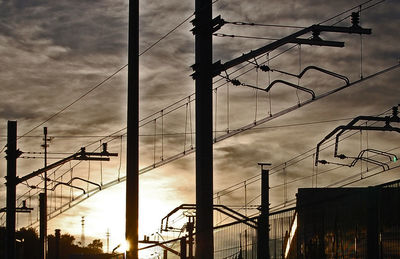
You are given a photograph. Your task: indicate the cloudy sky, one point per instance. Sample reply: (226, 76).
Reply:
(53, 52)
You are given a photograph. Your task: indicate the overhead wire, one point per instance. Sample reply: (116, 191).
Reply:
(290, 202)
(361, 10)
(260, 57)
(75, 101)
(162, 38)
(242, 36)
(110, 76)
(290, 162)
(291, 26)
(346, 11)
(265, 25)
(178, 133)
(55, 180)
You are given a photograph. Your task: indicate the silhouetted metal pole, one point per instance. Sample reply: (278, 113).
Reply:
(43, 225)
(57, 248)
(132, 153)
(183, 248)
(190, 228)
(43, 220)
(263, 219)
(11, 189)
(204, 150)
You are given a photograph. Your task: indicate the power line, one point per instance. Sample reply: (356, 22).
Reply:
(242, 36)
(288, 162)
(346, 11)
(76, 100)
(180, 24)
(114, 136)
(187, 133)
(165, 35)
(265, 25)
(110, 76)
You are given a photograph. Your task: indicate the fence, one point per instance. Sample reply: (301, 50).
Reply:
(239, 240)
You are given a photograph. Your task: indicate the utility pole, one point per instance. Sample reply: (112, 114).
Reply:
(204, 151)
(183, 248)
(43, 224)
(263, 219)
(132, 152)
(83, 231)
(12, 154)
(108, 240)
(43, 204)
(13, 181)
(190, 228)
(57, 248)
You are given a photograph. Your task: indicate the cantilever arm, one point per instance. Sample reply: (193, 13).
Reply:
(84, 180)
(292, 85)
(326, 72)
(372, 161)
(66, 184)
(350, 127)
(325, 139)
(344, 78)
(367, 118)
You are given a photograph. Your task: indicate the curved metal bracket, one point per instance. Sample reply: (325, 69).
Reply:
(360, 156)
(76, 187)
(344, 78)
(221, 208)
(66, 184)
(350, 125)
(292, 85)
(372, 161)
(344, 128)
(84, 180)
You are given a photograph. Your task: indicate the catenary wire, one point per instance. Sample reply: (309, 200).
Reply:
(110, 76)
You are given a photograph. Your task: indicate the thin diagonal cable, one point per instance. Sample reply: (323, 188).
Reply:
(75, 101)
(146, 50)
(242, 36)
(361, 10)
(265, 25)
(289, 162)
(112, 75)
(346, 11)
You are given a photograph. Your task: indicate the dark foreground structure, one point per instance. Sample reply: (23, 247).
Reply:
(346, 223)
(327, 223)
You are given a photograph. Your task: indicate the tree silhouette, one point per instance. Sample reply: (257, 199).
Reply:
(28, 246)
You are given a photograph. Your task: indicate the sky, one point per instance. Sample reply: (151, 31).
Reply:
(54, 52)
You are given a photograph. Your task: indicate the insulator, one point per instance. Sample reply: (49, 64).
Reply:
(395, 111)
(235, 82)
(315, 35)
(355, 19)
(342, 156)
(264, 68)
